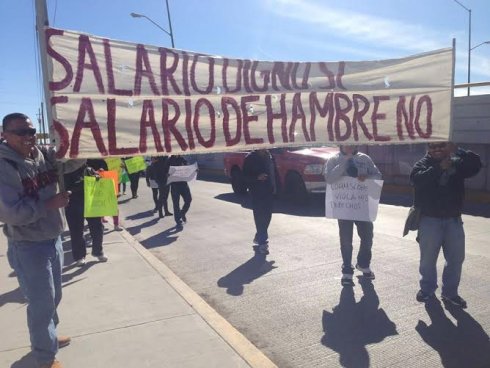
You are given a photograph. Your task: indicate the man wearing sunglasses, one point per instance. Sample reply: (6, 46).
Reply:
(438, 179)
(30, 209)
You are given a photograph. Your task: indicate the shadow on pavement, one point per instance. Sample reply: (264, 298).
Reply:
(27, 361)
(464, 344)
(246, 273)
(137, 229)
(141, 215)
(12, 296)
(162, 239)
(351, 326)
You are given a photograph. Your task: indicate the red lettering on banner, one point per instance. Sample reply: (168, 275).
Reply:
(323, 110)
(283, 73)
(212, 121)
(341, 114)
(148, 121)
(112, 90)
(424, 100)
(64, 141)
(271, 115)
(57, 86)
(331, 77)
(85, 47)
(225, 102)
(265, 75)
(238, 81)
(111, 132)
(210, 73)
(248, 118)
(143, 69)
(167, 73)
(378, 116)
(188, 123)
(340, 74)
(169, 125)
(246, 76)
(401, 114)
(306, 75)
(298, 113)
(86, 108)
(358, 115)
(185, 73)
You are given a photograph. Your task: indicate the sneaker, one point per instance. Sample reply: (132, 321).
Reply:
(102, 258)
(117, 228)
(366, 272)
(455, 300)
(81, 262)
(124, 193)
(346, 279)
(423, 297)
(63, 341)
(52, 364)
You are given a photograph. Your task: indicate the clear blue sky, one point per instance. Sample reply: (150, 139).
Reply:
(298, 30)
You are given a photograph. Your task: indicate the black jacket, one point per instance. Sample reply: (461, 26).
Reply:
(440, 193)
(253, 166)
(158, 171)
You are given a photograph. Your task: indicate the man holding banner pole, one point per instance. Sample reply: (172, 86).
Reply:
(30, 207)
(350, 162)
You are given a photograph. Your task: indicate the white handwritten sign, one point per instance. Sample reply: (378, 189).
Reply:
(352, 199)
(182, 173)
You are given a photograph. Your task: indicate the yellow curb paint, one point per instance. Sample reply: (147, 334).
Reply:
(244, 348)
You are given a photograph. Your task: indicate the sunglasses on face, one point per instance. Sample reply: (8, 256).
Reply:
(437, 145)
(23, 132)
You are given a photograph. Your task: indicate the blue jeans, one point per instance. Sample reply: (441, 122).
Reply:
(365, 232)
(433, 234)
(38, 267)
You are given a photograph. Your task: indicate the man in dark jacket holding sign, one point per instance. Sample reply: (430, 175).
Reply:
(259, 174)
(438, 179)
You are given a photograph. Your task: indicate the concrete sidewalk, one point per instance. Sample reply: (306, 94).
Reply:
(129, 312)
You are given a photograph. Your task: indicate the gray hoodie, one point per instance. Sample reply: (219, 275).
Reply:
(25, 184)
(337, 166)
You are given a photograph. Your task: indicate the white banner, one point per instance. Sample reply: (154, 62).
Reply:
(115, 98)
(186, 173)
(352, 199)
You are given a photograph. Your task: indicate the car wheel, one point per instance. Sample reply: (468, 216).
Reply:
(237, 182)
(296, 189)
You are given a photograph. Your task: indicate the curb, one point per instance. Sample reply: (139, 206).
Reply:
(238, 342)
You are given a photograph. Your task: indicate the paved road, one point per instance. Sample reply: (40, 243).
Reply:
(291, 304)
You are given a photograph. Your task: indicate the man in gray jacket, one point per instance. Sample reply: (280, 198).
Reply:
(350, 162)
(30, 208)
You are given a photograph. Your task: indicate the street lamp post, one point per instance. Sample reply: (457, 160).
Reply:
(136, 15)
(469, 42)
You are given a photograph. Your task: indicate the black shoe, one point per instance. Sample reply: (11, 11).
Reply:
(168, 213)
(155, 210)
(366, 272)
(346, 280)
(179, 227)
(160, 215)
(455, 300)
(423, 297)
(184, 219)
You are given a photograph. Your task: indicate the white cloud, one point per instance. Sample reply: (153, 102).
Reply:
(369, 29)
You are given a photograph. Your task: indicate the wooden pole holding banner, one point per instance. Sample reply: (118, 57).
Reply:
(41, 22)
